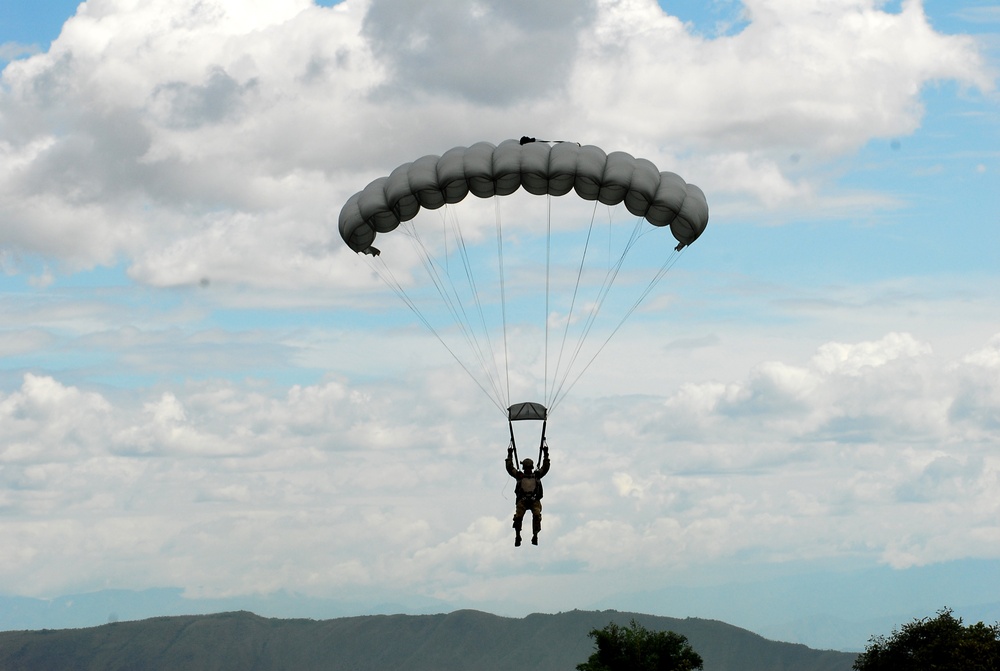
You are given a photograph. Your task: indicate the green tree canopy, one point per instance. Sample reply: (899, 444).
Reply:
(635, 648)
(940, 643)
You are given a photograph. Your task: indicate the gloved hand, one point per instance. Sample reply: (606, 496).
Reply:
(510, 452)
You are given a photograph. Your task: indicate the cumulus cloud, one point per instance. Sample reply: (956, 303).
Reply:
(870, 390)
(193, 139)
(849, 359)
(976, 403)
(779, 469)
(45, 421)
(522, 50)
(206, 146)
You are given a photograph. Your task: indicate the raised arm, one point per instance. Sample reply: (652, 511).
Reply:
(545, 461)
(510, 462)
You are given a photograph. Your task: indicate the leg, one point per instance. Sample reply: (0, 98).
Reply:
(518, 518)
(536, 521)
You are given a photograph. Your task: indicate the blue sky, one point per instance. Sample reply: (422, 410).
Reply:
(202, 389)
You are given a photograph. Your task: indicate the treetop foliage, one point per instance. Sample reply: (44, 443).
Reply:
(635, 648)
(940, 643)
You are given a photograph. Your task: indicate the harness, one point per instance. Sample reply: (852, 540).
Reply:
(535, 492)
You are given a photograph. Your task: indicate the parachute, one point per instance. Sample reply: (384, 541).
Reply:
(459, 273)
(484, 171)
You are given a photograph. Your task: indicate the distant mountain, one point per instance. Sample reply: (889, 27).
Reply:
(800, 604)
(74, 611)
(464, 640)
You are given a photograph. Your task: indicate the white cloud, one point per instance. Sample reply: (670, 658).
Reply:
(976, 404)
(11, 50)
(877, 390)
(850, 359)
(46, 422)
(987, 357)
(197, 139)
(330, 487)
(207, 146)
(523, 50)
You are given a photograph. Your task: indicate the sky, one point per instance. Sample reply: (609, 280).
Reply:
(203, 389)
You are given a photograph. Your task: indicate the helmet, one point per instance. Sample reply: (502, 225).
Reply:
(527, 462)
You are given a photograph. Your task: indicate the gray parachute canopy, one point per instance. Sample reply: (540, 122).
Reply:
(485, 170)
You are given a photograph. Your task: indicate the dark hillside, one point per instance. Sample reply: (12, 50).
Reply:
(460, 641)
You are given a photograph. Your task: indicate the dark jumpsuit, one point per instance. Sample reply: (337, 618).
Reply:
(528, 492)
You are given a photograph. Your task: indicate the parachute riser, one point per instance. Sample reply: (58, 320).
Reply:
(513, 443)
(541, 443)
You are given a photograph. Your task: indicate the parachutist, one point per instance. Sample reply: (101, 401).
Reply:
(528, 492)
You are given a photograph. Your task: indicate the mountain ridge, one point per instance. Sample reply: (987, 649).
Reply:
(463, 640)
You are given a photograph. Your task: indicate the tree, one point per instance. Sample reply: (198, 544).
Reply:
(635, 648)
(939, 643)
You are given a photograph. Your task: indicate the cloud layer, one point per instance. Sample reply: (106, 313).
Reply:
(195, 139)
(158, 431)
(865, 449)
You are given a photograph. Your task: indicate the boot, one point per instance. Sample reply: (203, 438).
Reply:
(517, 533)
(536, 526)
